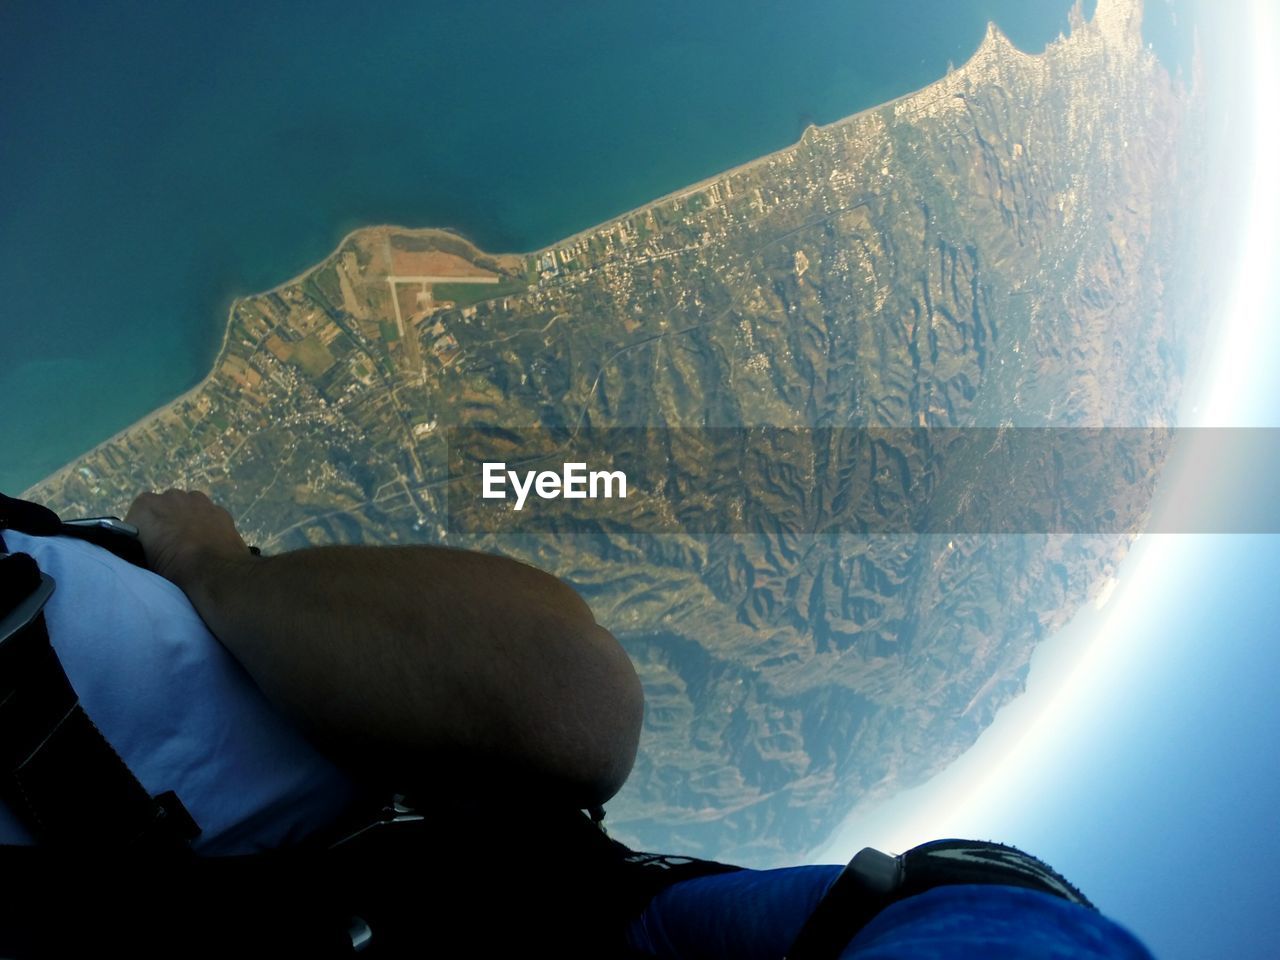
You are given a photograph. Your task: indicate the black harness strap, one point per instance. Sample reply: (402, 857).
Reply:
(57, 771)
(873, 881)
(106, 532)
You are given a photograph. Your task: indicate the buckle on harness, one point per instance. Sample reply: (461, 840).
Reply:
(873, 881)
(25, 613)
(396, 812)
(876, 872)
(109, 524)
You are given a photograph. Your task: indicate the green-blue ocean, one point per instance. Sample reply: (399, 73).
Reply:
(158, 160)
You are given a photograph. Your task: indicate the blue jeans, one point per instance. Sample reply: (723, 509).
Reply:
(756, 914)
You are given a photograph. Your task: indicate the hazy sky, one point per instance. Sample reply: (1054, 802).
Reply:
(1143, 760)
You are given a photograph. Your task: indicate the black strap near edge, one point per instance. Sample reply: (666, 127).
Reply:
(873, 881)
(39, 521)
(57, 771)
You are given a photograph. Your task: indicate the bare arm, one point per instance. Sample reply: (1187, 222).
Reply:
(413, 665)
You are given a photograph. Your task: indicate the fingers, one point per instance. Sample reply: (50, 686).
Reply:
(169, 502)
(180, 529)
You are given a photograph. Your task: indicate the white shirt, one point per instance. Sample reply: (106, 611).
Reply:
(177, 707)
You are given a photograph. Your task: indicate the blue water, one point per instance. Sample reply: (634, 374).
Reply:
(1169, 27)
(158, 160)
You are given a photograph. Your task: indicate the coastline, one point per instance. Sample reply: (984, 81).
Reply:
(992, 35)
(991, 38)
(155, 414)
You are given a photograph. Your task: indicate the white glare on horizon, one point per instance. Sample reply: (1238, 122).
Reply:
(1238, 394)
(994, 798)
(1242, 371)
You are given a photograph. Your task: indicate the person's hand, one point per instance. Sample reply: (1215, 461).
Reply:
(183, 532)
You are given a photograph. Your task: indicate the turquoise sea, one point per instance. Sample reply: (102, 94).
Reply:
(158, 160)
